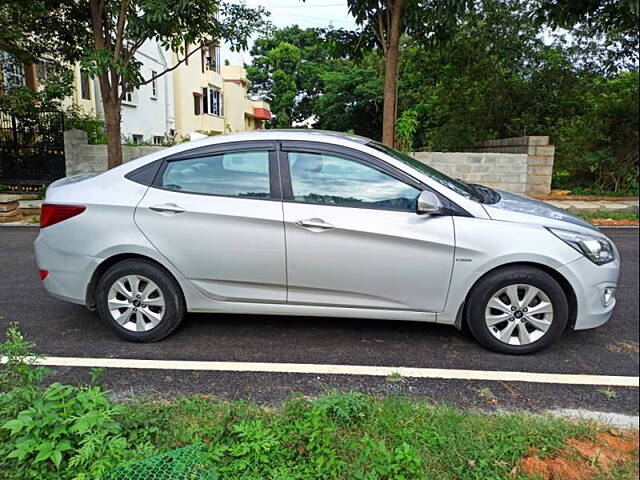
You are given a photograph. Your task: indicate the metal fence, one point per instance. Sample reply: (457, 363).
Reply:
(31, 149)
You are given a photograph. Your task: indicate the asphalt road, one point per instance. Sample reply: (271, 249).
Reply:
(62, 329)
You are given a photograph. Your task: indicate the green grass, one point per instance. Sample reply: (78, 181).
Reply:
(71, 432)
(612, 215)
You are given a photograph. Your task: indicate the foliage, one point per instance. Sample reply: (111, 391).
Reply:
(19, 370)
(406, 128)
(633, 216)
(74, 117)
(287, 65)
(599, 145)
(496, 76)
(67, 432)
(30, 30)
(352, 99)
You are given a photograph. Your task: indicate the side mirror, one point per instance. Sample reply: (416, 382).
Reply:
(428, 204)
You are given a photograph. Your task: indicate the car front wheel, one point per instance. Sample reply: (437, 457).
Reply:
(139, 301)
(517, 310)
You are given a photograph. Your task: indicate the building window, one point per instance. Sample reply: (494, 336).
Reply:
(85, 89)
(158, 140)
(212, 58)
(137, 139)
(12, 71)
(197, 103)
(212, 102)
(43, 71)
(154, 85)
(130, 96)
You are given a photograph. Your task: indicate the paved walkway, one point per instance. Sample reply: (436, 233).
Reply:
(592, 206)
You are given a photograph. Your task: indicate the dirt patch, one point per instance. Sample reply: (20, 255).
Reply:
(623, 347)
(582, 459)
(610, 222)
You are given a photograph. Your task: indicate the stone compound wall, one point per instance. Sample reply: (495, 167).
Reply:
(540, 156)
(523, 165)
(497, 170)
(84, 158)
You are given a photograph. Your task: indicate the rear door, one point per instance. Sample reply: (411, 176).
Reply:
(216, 215)
(353, 236)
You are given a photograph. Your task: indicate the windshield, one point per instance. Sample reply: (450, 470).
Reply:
(456, 185)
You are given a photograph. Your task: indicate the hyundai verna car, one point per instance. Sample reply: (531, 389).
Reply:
(314, 223)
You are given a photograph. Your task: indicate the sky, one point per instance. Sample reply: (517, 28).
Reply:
(310, 13)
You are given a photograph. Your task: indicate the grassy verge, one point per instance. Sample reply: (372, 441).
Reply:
(633, 216)
(77, 432)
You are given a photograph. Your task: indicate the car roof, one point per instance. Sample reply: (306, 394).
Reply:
(292, 134)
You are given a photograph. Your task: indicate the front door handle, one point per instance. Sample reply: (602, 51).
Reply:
(167, 208)
(314, 224)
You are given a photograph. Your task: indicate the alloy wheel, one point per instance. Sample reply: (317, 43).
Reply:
(136, 303)
(519, 314)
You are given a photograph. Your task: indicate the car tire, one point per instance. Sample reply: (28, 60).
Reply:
(500, 329)
(121, 294)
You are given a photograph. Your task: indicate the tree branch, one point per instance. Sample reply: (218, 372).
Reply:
(145, 82)
(122, 20)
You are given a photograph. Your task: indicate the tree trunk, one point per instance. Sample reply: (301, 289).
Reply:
(114, 137)
(391, 60)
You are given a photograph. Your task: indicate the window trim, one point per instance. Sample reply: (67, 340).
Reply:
(275, 190)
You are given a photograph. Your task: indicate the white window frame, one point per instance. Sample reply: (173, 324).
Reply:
(214, 102)
(131, 97)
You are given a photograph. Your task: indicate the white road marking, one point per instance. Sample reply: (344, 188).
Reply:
(323, 369)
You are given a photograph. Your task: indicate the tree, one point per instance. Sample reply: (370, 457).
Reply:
(316, 48)
(285, 59)
(385, 21)
(105, 36)
(120, 28)
(605, 32)
(30, 30)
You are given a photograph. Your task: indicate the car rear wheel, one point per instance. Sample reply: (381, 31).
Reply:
(517, 310)
(139, 301)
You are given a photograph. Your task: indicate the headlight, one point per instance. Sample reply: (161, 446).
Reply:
(596, 249)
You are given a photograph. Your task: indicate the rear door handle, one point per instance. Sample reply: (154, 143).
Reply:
(314, 224)
(167, 208)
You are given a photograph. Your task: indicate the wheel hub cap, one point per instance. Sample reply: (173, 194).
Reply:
(519, 314)
(136, 303)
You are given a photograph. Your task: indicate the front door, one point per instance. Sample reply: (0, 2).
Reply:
(353, 236)
(217, 218)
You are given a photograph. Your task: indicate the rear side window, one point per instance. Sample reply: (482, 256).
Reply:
(329, 179)
(233, 174)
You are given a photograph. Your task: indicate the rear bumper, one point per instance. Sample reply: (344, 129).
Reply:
(589, 282)
(69, 274)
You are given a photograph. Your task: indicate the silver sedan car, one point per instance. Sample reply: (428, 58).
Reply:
(314, 223)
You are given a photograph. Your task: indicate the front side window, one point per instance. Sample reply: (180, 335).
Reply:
(457, 186)
(328, 179)
(234, 174)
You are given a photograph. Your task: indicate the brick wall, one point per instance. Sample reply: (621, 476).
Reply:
(497, 170)
(80, 157)
(540, 155)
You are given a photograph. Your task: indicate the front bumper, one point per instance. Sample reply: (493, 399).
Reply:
(589, 282)
(69, 274)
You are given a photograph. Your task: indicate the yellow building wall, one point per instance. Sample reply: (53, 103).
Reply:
(86, 106)
(187, 80)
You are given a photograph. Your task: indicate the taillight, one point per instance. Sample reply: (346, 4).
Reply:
(43, 274)
(51, 214)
